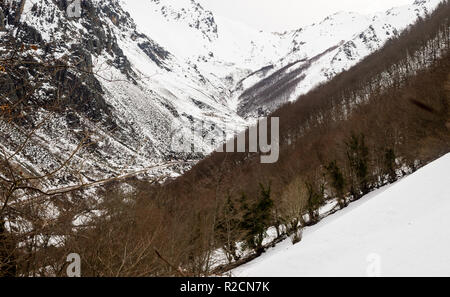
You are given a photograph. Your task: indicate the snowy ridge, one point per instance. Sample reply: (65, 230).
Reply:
(248, 62)
(390, 228)
(320, 51)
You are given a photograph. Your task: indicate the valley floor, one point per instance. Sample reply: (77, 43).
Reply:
(399, 230)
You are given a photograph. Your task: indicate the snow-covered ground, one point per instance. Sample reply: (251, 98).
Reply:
(399, 230)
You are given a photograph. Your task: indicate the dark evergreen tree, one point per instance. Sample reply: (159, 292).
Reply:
(257, 219)
(315, 199)
(358, 158)
(389, 165)
(337, 182)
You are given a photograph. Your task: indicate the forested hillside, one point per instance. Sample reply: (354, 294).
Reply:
(382, 119)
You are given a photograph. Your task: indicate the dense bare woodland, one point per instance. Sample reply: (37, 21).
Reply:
(384, 118)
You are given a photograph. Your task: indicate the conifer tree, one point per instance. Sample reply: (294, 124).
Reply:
(358, 158)
(337, 182)
(257, 219)
(389, 164)
(315, 198)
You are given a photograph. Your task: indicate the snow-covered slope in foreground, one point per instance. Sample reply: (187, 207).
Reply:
(399, 230)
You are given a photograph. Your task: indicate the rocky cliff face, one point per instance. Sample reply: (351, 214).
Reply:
(96, 75)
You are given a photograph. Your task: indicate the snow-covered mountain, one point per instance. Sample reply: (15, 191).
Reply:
(223, 50)
(262, 70)
(259, 70)
(159, 66)
(386, 233)
(318, 52)
(137, 95)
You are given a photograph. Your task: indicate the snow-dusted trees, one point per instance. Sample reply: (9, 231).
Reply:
(39, 204)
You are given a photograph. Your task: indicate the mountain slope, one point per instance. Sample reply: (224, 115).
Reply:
(129, 93)
(151, 68)
(261, 70)
(100, 81)
(318, 52)
(390, 112)
(396, 223)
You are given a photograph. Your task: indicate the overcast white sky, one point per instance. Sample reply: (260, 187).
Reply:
(280, 15)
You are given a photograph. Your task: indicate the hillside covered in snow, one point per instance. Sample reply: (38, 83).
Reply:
(398, 230)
